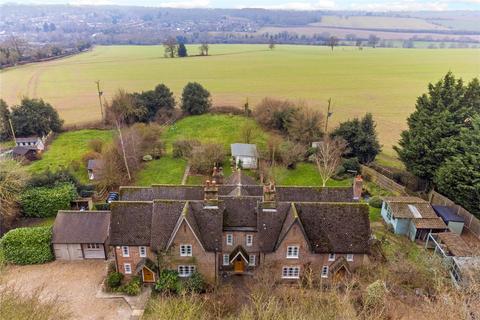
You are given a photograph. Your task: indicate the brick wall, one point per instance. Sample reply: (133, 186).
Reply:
(239, 238)
(133, 258)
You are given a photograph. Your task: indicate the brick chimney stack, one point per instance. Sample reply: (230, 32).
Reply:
(211, 193)
(357, 187)
(217, 175)
(269, 196)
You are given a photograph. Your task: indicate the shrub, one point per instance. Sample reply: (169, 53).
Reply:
(194, 284)
(114, 279)
(184, 148)
(205, 157)
(102, 206)
(147, 157)
(45, 202)
(133, 287)
(51, 179)
(28, 245)
(195, 99)
(351, 164)
(375, 202)
(96, 145)
(275, 114)
(168, 282)
(375, 295)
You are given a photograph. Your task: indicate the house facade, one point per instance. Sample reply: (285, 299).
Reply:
(220, 230)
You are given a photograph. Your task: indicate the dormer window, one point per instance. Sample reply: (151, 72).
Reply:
(350, 257)
(331, 257)
(292, 252)
(229, 239)
(185, 250)
(249, 240)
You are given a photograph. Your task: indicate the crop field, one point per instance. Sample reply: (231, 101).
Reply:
(385, 82)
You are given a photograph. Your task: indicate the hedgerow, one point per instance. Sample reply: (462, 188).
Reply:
(27, 245)
(45, 201)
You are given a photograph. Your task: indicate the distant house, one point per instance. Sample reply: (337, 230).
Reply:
(79, 235)
(412, 217)
(245, 154)
(94, 168)
(453, 221)
(33, 141)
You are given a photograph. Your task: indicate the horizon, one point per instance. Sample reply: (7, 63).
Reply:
(323, 5)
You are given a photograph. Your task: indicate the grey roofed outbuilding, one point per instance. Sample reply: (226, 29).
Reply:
(244, 149)
(81, 227)
(94, 164)
(27, 139)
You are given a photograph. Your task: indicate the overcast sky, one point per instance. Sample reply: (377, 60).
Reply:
(367, 5)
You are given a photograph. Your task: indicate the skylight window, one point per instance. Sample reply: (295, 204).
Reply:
(414, 211)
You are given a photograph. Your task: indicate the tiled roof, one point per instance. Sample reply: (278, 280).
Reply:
(403, 210)
(429, 223)
(455, 244)
(130, 223)
(81, 227)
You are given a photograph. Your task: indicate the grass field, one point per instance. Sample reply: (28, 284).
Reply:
(378, 22)
(383, 81)
(69, 147)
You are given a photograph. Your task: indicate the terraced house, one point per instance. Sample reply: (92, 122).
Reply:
(238, 227)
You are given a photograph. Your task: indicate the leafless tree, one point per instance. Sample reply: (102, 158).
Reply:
(204, 48)
(306, 125)
(171, 47)
(13, 178)
(332, 42)
(247, 131)
(328, 157)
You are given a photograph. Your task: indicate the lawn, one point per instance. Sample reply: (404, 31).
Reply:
(213, 128)
(305, 174)
(166, 170)
(67, 150)
(385, 82)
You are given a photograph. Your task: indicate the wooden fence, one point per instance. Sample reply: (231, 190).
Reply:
(471, 222)
(383, 181)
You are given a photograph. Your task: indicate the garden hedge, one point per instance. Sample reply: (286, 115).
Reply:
(46, 201)
(28, 245)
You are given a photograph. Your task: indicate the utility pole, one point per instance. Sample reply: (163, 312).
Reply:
(13, 131)
(329, 114)
(100, 93)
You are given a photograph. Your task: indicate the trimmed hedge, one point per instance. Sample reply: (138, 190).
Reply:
(28, 245)
(45, 202)
(375, 202)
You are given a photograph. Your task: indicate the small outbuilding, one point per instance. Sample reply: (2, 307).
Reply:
(94, 169)
(453, 221)
(245, 155)
(79, 235)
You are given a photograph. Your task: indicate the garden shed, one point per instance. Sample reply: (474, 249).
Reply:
(453, 221)
(245, 155)
(79, 235)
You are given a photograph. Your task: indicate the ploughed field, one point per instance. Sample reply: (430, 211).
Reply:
(385, 82)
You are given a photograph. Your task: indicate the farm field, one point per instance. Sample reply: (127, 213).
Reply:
(385, 82)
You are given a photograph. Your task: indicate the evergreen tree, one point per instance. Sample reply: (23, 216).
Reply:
(35, 117)
(459, 177)
(361, 137)
(160, 99)
(195, 99)
(182, 50)
(435, 125)
(5, 130)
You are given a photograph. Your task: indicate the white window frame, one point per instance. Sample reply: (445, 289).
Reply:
(229, 239)
(226, 260)
(125, 251)
(249, 240)
(142, 251)
(291, 272)
(252, 260)
(186, 250)
(93, 246)
(350, 257)
(324, 273)
(331, 257)
(293, 252)
(128, 268)
(189, 270)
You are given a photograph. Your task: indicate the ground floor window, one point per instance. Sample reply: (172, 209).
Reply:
(226, 259)
(252, 259)
(93, 245)
(185, 271)
(349, 257)
(128, 268)
(325, 272)
(291, 272)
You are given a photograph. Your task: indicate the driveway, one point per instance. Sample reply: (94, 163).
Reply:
(75, 284)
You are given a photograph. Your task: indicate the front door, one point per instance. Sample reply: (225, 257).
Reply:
(239, 265)
(148, 275)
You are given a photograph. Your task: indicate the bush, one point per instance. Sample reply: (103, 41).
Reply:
(351, 164)
(114, 279)
(375, 202)
(102, 206)
(51, 179)
(133, 287)
(168, 282)
(45, 202)
(194, 284)
(184, 148)
(28, 245)
(275, 114)
(195, 99)
(96, 145)
(205, 157)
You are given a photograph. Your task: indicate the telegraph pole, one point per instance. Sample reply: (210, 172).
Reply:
(329, 114)
(100, 94)
(13, 131)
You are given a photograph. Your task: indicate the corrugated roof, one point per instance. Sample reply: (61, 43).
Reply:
(81, 227)
(243, 149)
(27, 139)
